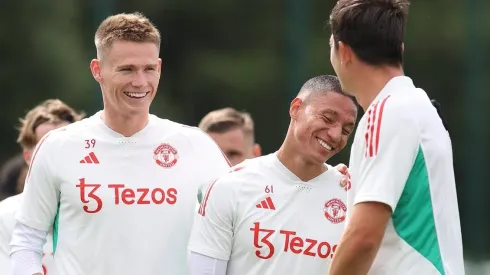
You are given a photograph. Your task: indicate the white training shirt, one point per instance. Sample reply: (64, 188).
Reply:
(8, 209)
(402, 156)
(264, 220)
(119, 205)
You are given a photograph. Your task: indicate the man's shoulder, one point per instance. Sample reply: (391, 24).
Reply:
(248, 171)
(61, 135)
(191, 133)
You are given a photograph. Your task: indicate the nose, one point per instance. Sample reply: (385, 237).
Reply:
(139, 79)
(335, 133)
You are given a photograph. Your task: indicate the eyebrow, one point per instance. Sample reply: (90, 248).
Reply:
(134, 66)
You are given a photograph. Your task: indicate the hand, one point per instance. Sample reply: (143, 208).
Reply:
(344, 170)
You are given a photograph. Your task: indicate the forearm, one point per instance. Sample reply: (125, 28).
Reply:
(353, 257)
(26, 250)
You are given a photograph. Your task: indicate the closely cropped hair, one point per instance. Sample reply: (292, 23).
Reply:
(322, 84)
(133, 27)
(374, 29)
(227, 119)
(49, 111)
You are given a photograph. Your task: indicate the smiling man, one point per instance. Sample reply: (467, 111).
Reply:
(282, 213)
(119, 188)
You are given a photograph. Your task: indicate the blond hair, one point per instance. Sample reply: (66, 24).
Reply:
(52, 111)
(133, 27)
(226, 119)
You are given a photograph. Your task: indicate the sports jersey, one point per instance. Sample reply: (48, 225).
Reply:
(264, 220)
(119, 205)
(8, 208)
(402, 157)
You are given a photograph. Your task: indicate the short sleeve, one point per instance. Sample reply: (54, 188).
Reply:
(392, 141)
(41, 191)
(212, 233)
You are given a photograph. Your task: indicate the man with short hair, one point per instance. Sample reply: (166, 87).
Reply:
(233, 131)
(403, 210)
(120, 187)
(282, 213)
(49, 115)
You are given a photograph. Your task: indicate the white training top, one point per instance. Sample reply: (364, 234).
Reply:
(119, 205)
(8, 208)
(402, 156)
(264, 220)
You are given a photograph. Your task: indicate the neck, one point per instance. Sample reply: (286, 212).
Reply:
(371, 81)
(125, 125)
(296, 163)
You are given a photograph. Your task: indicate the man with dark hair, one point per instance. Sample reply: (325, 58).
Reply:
(233, 131)
(403, 211)
(282, 213)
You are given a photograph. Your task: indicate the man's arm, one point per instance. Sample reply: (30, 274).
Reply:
(37, 211)
(212, 233)
(382, 178)
(204, 265)
(361, 239)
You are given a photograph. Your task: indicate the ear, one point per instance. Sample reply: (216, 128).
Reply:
(159, 65)
(294, 108)
(27, 156)
(257, 150)
(95, 69)
(403, 47)
(345, 53)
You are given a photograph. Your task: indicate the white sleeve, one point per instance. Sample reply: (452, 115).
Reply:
(26, 249)
(41, 191)
(392, 143)
(212, 233)
(203, 265)
(213, 162)
(4, 248)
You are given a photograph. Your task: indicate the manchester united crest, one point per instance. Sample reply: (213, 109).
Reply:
(335, 210)
(165, 155)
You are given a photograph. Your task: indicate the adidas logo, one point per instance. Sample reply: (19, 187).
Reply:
(91, 158)
(266, 204)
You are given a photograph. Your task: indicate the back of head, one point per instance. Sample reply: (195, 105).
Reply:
(374, 29)
(227, 119)
(49, 111)
(134, 27)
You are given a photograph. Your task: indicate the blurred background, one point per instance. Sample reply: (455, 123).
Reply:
(254, 56)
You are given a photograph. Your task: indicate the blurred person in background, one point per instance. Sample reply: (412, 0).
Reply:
(120, 187)
(12, 176)
(403, 211)
(282, 213)
(233, 131)
(50, 114)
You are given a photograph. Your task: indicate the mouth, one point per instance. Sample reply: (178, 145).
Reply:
(136, 95)
(325, 145)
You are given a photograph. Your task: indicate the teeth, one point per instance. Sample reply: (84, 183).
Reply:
(136, 95)
(324, 144)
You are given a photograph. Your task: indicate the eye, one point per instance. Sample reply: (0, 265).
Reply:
(150, 69)
(346, 132)
(327, 119)
(125, 70)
